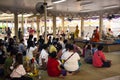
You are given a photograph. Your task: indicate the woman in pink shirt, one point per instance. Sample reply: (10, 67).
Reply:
(99, 59)
(19, 72)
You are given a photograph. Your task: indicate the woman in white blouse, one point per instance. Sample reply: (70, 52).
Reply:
(30, 50)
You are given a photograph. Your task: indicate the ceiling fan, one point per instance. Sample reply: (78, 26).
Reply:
(40, 7)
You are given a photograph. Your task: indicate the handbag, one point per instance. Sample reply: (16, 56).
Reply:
(63, 61)
(105, 63)
(79, 63)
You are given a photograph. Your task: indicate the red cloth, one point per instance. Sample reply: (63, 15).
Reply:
(95, 36)
(97, 58)
(52, 67)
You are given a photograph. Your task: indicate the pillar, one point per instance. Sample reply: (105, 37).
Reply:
(38, 30)
(26, 22)
(82, 27)
(45, 18)
(54, 26)
(62, 23)
(32, 23)
(22, 25)
(16, 24)
(7, 23)
(100, 25)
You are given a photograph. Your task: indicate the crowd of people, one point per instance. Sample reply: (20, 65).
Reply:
(94, 55)
(59, 57)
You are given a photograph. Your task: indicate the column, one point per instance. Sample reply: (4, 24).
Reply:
(62, 23)
(16, 24)
(82, 27)
(26, 27)
(54, 26)
(100, 25)
(45, 18)
(7, 23)
(38, 30)
(22, 25)
(32, 23)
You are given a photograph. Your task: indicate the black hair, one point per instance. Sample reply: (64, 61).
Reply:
(89, 46)
(67, 46)
(59, 46)
(71, 47)
(40, 36)
(57, 39)
(13, 52)
(93, 45)
(65, 41)
(35, 39)
(5, 38)
(18, 59)
(30, 44)
(100, 47)
(109, 29)
(74, 42)
(21, 40)
(45, 46)
(14, 36)
(55, 42)
(86, 43)
(1, 42)
(30, 36)
(53, 54)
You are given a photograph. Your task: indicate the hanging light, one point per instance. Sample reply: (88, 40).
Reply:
(58, 1)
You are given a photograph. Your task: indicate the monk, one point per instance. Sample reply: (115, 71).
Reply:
(76, 32)
(95, 36)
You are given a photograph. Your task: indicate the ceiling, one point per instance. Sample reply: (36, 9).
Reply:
(77, 6)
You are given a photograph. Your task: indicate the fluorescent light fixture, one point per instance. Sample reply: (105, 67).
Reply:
(25, 15)
(85, 3)
(58, 1)
(49, 7)
(84, 10)
(110, 6)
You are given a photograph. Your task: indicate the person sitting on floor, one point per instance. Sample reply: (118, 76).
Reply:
(88, 55)
(10, 60)
(71, 59)
(99, 59)
(77, 48)
(19, 72)
(94, 49)
(84, 49)
(43, 57)
(110, 34)
(53, 66)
